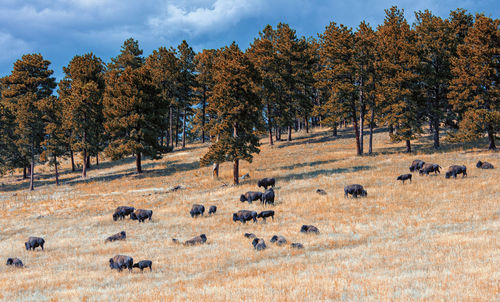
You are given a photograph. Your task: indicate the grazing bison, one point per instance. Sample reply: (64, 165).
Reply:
(251, 196)
(404, 177)
(280, 240)
(268, 197)
(118, 236)
(416, 165)
(196, 240)
(428, 168)
(212, 210)
(259, 244)
(197, 209)
(309, 229)
(321, 192)
(266, 182)
(120, 262)
(121, 212)
(34, 242)
(354, 190)
(455, 170)
(297, 245)
(245, 216)
(484, 165)
(143, 264)
(250, 235)
(266, 214)
(15, 262)
(141, 215)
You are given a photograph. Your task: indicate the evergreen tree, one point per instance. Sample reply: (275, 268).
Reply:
(24, 91)
(186, 84)
(474, 88)
(204, 78)
(236, 107)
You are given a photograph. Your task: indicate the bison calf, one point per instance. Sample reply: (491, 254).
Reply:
(15, 262)
(354, 190)
(455, 170)
(212, 210)
(245, 216)
(141, 215)
(197, 210)
(416, 165)
(121, 212)
(144, 264)
(118, 236)
(280, 240)
(251, 196)
(34, 242)
(259, 244)
(120, 262)
(484, 165)
(266, 182)
(196, 240)
(404, 177)
(309, 229)
(266, 214)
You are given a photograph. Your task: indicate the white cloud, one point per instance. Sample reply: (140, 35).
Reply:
(12, 48)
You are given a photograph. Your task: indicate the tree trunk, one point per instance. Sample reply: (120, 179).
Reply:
(170, 116)
(391, 129)
(236, 165)
(29, 169)
(177, 128)
(361, 127)
(269, 124)
(356, 131)
(203, 105)
(408, 146)
(370, 144)
(431, 121)
(84, 166)
(491, 137)
(88, 161)
(32, 170)
(215, 170)
(72, 161)
(97, 159)
(278, 133)
(25, 175)
(436, 133)
(289, 138)
(335, 134)
(184, 129)
(138, 162)
(55, 167)
(307, 124)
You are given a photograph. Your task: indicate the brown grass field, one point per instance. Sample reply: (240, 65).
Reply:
(434, 239)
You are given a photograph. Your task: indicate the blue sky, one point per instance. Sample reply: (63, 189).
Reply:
(60, 29)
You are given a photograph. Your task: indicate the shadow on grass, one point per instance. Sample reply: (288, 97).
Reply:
(323, 172)
(309, 164)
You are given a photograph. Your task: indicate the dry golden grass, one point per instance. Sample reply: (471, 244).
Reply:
(434, 239)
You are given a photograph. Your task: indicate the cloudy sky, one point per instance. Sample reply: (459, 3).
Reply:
(60, 29)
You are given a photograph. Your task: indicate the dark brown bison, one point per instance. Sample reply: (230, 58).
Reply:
(120, 262)
(34, 242)
(455, 170)
(197, 209)
(212, 210)
(266, 182)
(196, 240)
(250, 235)
(144, 264)
(429, 168)
(268, 197)
(245, 216)
(266, 214)
(121, 212)
(484, 165)
(259, 244)
(280, 240)
(321, 192)
(309, 229)
(354, 190)
(141, 215)
(118, 236)
(404, 177)
(15, 262)
(297, 245)
(251, 196)
(416, 165)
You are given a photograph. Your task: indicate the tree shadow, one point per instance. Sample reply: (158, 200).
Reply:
(309, 164)
(322, 172)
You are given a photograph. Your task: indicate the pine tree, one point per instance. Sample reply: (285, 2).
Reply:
(237, 110)
(204, 78)
(397, 85)
(81, 92)
(186, 84)
(474, 88)
(24, 90)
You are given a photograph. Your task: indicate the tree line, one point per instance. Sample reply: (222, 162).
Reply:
(443, 72)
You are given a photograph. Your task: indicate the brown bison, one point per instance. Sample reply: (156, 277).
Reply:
(118, 236)
(266, 182)
(266, 214)
(455, 170)
(484, 165)
(251, 196)
(428, 168)
(212, 210)
(197, 209)
(404, 177)
(309, 229)
(280, 240)
(121, 212)
(259, 244)
(354, 190)
(34, 242)
(245, 216)
(15, 262)
(144, 264)
(120, 262)
(250, 235)
(141, 215)
(196, 240)
(416, 165)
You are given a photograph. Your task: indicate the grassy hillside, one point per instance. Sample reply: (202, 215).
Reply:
(434, 239)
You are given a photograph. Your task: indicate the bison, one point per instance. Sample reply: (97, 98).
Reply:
(268, 197)
(280, 240)
(354, 190)
(251, 196)
(15, 262)
(266, 214)
(34, 242)
(266, 182)
(259, 244)
(428, 168)
(297, 245)
(484, 165)
(212, 210)
(121, 212)
(120, 262)
(196, 240)
(250, 235)
(404, 177)
(245, 216)
(141, 215)
(309, 229)
(197, 209)
(118, 236)
(321, 192)
(143, 264)
(416, 165)
(455, 170)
